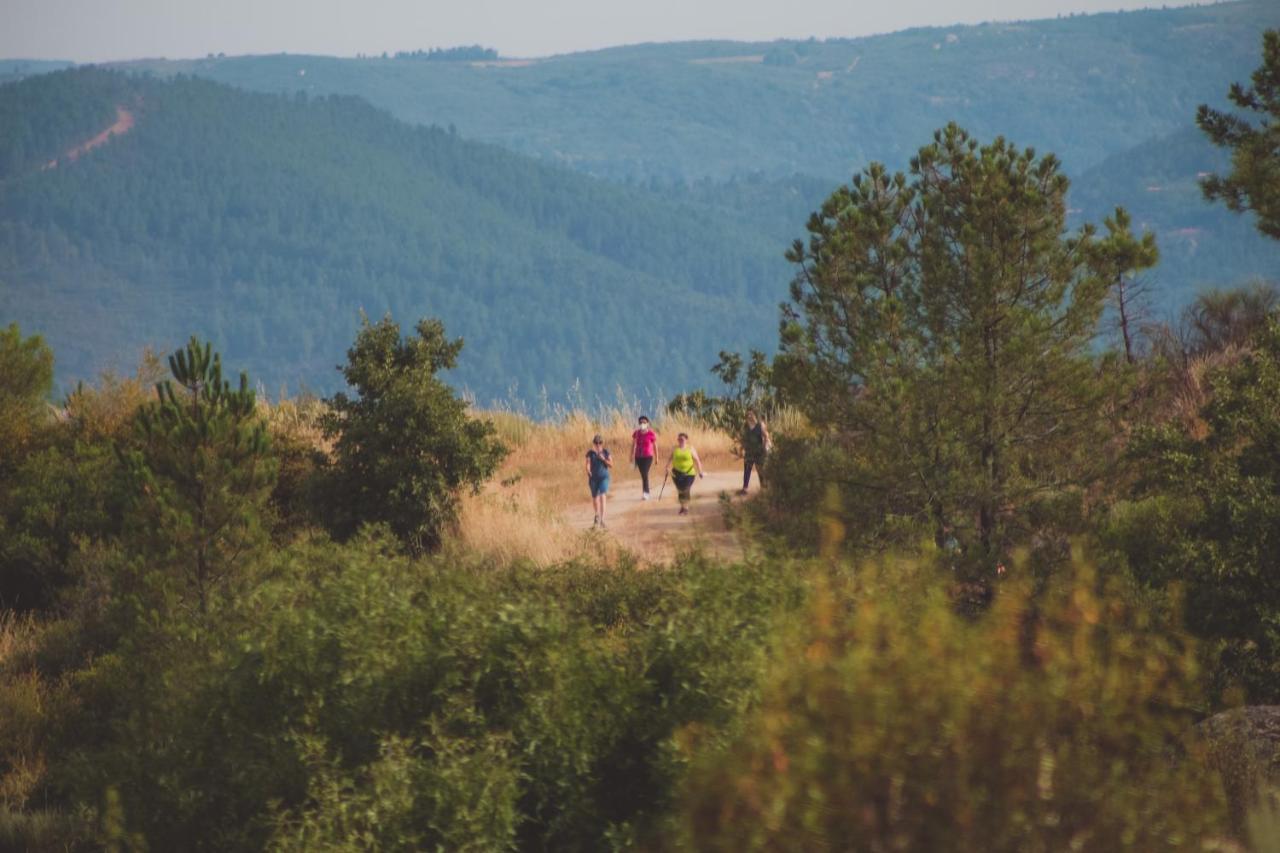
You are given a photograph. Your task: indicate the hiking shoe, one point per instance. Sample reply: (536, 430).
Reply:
(645, 497)
(684, 510)
(742, 491)
(604, 526)
(596, 523)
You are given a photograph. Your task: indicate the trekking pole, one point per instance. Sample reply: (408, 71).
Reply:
(664, 483)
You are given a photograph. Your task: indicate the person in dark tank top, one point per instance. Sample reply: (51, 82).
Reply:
(755, 447)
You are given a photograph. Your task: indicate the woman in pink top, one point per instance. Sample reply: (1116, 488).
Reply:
(644, 449)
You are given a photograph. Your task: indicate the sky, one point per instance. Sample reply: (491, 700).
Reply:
(105, 30)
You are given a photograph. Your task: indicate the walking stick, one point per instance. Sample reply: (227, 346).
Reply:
(664, 483)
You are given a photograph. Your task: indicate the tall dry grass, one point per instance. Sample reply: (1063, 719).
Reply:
(24, 696)
(521, 514)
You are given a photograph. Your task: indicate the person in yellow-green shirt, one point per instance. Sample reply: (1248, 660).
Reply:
(683, 464)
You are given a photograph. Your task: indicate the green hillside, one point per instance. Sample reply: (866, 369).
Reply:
(269, 223)
(1202, 245)
(1085, 87)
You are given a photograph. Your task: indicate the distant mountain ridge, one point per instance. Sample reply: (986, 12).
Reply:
(1085, 87)
(268, 222)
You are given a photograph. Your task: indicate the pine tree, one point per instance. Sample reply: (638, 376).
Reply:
(203, 475)
(1121, 256)
(1254, 181)
(26, 378)
(941, 326)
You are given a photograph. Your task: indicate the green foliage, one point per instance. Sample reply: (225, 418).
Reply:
(1222, 319)
(469, 53)
(356, 698)
(202, 472)
(892, 723)
(940, 326)
(1086, 86)
(434, 792)
(405, 444)
(43, 117)
(747, 386)
(67, 491)
(1254, 180)
(1121, 257)
(270, 222)
(1205, 518)
(26, 378)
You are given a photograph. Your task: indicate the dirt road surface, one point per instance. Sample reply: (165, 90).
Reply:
(653, 529)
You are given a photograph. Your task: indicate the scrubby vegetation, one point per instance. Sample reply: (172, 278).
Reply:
(1006, 578)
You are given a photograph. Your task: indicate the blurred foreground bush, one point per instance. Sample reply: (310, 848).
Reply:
(894, 724)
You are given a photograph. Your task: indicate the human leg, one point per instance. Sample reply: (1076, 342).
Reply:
(644, 463)
(684, 490)
(604, 497)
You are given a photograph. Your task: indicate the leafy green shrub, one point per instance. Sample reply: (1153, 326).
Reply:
(898, 725)
(404, 444)
(1205, 516)
(356, 696)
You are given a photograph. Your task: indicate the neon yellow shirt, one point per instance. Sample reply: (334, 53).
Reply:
(682, 461)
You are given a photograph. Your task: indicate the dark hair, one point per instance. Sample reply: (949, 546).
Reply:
(683, 435)
(643, 418)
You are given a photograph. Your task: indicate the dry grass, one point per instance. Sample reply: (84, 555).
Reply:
(520, 515)
(17, 637)
(296, 419)
(23, 699)
(1192, 391)
(102, 409)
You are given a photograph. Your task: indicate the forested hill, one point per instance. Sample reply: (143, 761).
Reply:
(1084, 87)
(268, 223)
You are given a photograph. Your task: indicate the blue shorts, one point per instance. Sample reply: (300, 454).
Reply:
(599, 486)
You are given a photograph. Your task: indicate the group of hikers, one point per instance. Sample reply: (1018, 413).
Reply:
(684, 466)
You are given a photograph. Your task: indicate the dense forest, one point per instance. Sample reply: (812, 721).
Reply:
(269, 223)
(1086, 87)
(298, 213)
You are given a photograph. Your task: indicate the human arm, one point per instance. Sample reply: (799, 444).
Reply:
(607, 458)
(697, 461)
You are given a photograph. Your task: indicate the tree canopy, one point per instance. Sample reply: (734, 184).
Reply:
(1254, 181)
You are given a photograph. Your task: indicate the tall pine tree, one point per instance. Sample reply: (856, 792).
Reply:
(940, 325)
(203, 475)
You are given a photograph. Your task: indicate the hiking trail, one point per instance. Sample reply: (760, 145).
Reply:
(652, 529)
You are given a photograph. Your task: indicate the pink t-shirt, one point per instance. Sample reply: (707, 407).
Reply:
(646, 441)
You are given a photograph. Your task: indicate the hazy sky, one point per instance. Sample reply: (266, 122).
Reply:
(98, 30)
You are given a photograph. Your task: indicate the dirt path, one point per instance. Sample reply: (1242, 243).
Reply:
(653, 529)
(123, 124)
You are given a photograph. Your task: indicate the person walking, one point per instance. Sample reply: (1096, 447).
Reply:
(755, 447)
(683, 463)
(644, 449)
(599, 461)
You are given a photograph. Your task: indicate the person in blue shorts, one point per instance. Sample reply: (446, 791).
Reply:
(599, 461)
